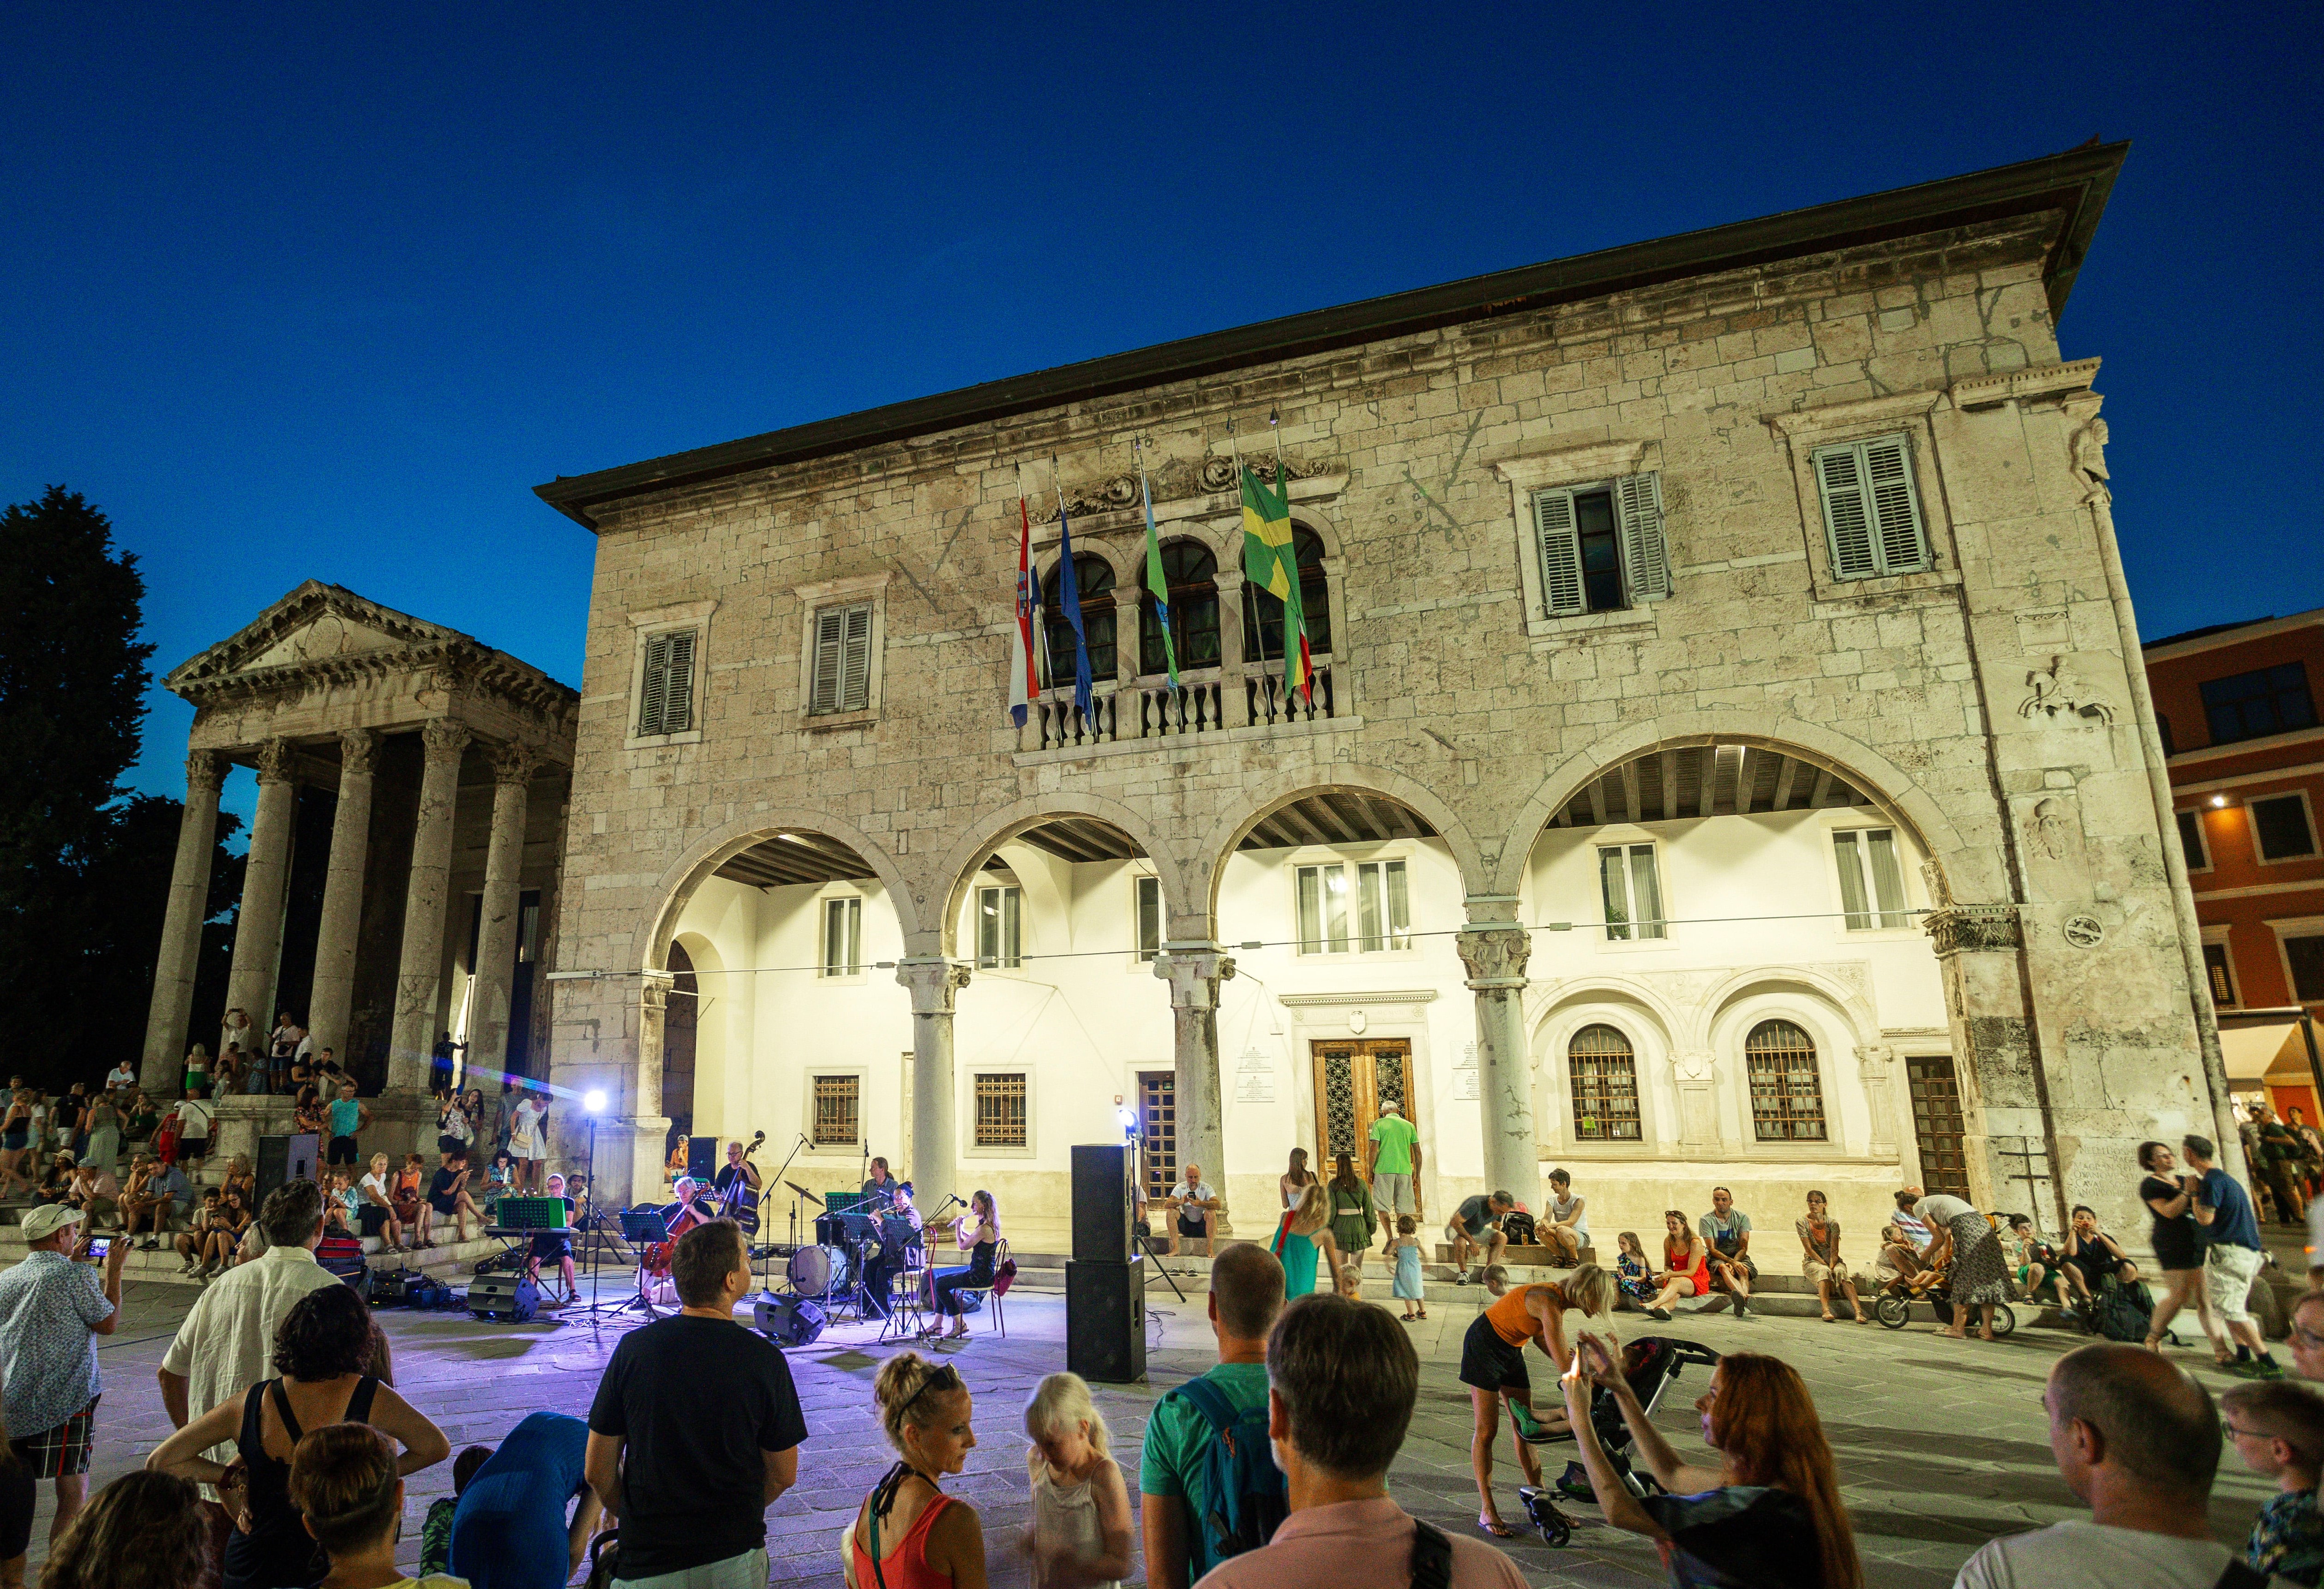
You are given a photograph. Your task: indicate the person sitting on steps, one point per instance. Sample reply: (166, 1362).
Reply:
(1475, 1232)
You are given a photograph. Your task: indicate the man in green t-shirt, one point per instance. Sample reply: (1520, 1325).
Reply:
(1245, 1295)
(1396, 1169)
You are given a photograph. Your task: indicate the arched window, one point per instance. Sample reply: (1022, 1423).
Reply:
(1786, 1093)
(1262, 614)
(1605, 1076)
(1094, 576)
(1192, 573)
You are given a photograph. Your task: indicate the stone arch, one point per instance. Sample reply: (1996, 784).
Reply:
(1550, 1031)
(1287, 788)
(956, 872)
(1969, 870)
(1797, 980)
(678, 882)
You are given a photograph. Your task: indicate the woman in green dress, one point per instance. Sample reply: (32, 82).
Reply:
(1353, 1222)
(1305, 1232)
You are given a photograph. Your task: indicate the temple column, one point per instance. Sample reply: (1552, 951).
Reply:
(334, 941)
(1194, 970)
(265, 882)
(420, 969)
(1494, 949)
(934, 984)
(488, 1011)
(182, 928)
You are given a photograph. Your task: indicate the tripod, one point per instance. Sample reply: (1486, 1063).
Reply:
(1142, 1232)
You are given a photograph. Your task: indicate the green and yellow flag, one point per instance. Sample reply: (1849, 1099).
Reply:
(1269, 563)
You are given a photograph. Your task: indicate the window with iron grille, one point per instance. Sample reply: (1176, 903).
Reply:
(1604, 1071)
(1786, 1092)
(1001, 1110)
(666, 689)
(838, 1111)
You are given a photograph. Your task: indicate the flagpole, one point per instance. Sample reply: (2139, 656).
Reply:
(1283, 489)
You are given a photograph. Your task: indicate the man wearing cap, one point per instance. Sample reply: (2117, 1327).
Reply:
(1396, 1167)
(51, 1309)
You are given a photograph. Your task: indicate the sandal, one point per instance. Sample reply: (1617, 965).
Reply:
(1831, 1318)
(1496, 1528)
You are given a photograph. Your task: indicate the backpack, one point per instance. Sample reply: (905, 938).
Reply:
(1432, 1556)
(1241, 1486)
(1519, 1227)
(2119, 1313)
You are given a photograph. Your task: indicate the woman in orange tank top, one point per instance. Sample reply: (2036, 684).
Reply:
(908, 1534)
(1493, 1367)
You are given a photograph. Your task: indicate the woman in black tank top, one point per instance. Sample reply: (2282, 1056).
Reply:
(321, 1350)
(2177, 1247)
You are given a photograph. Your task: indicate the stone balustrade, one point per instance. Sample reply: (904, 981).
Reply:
(1149, 709)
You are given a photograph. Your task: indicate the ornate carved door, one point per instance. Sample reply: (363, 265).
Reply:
(1351, 1079)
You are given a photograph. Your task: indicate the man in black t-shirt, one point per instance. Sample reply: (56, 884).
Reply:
(696, 1426)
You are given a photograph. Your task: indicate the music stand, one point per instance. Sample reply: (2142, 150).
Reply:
(640, 1228)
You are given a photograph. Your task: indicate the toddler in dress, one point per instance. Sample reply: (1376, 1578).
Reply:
(1405, 1250)
(1080, 1534)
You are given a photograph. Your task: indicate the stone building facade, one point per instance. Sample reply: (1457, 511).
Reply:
(1787, 519)
(447, 761)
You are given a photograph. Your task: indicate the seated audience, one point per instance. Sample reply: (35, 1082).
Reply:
(142, 1531)
(157, 1193)
(447, 1198)
(1564, 1228)
(95, 1193)
(512, 1529)
(377, 1216)
(2277, 1427)
(2092, 1257)
(1341, 1386)
(1475, 1232)
(1768, 1515)
(1633, 1273)
(1726, 1231)
(1080, 1533)
(1818, 1236)
(2138, 1440)
(908, 1531)
(347, 1485)
(1686, 1266)
(2034, 1263)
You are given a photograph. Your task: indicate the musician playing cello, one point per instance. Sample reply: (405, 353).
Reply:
(738, 1183)
(692, 1208)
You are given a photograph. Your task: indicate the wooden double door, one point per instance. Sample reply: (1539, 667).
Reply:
(1352, 1077)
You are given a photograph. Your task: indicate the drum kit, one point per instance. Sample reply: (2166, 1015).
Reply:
(842, 1268)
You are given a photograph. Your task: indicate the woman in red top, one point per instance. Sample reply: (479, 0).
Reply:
(910, 1534)
(1685, 1265)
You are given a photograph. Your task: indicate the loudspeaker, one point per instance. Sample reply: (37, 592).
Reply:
(504, 1298)
(1105, 1319)
(789, 1321)
(286, 1159)
(1102, 1202)
(702, 1157)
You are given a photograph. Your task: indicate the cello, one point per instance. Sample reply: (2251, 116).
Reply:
(681, 1216)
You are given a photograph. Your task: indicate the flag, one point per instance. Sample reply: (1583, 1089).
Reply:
(1069, 597)
(1023, 683)
(1158, 584)
(1269, 563)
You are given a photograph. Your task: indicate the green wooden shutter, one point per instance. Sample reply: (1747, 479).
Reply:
(1847, 517)
(855, 659)
(1888, 469)
(1560, 553)
(678, 682)
(830, 632)
(1646, 562)
(653, 691)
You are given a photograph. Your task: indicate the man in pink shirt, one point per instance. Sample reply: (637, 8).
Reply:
(1341, 1379)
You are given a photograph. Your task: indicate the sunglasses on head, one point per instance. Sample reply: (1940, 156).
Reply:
(947, 1378)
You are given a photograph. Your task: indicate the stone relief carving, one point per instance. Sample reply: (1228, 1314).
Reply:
(1692, 1065)
(442, 739)
(1171, 480)
(2049, 832)
(1496, 954)
(2084, 932)
(515, 764)
(358, 749)
(1984, 928)
(2059, 691)
(2087, 449)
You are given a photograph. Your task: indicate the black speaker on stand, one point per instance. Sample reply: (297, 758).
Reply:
(286, 1159)
(702, 1157)
(1105, 1278)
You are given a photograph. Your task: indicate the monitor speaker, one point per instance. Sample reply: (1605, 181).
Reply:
(504, 1298)
(1105, 1320)
(286, 1159)
(789, 1321)
(702, 1157)
(1102, 1202)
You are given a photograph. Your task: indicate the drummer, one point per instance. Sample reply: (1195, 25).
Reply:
(890, 1258)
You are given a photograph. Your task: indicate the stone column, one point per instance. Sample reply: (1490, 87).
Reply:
(265, 881)
(182, 928)
(934, 984)
(2004, 1110)
(1876, 1067)
(420, 969)
(1194, 971)
(488, 1011)
(335, 942)
(1494, 950)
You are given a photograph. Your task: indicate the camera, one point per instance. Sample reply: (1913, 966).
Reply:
(98, 1246)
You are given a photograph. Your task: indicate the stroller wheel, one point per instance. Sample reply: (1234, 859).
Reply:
(1556, 1528)
(2004, 1319)
(1892, 1311)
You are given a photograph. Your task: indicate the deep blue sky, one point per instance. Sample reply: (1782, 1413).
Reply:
(323, 291)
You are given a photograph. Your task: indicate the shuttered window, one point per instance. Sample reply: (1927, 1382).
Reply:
(666, 694)
(1871, 512)
(1601, 547)
(1871, 881)
(1149, 918)
(843, 936)
(842, 659)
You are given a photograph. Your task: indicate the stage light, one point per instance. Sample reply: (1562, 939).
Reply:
(594, 1100)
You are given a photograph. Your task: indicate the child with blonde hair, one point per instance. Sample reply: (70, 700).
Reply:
(1080, 1534)
(1403, 1251)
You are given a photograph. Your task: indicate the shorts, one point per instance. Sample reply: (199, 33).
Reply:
(551, 1249)
(14, 1138)
(371, 1219)
(1457, 1231)
(193, 1147)
(1831, 1274)
(448, 1146)
(62, 1450)
(746, 1571)
(1488, 1362)
(446, 1207)
(343, 1150)
(1194, 1221)
(1392, 1193)
(2228, 1276)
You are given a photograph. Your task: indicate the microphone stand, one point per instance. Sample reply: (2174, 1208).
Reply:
(779, 1175)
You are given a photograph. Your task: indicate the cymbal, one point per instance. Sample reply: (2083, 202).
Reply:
(803, 1192)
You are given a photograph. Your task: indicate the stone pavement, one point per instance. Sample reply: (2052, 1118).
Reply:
(1941, 1443)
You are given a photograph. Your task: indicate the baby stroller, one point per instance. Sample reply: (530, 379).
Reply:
(1649, 1364)
(1894, 1306)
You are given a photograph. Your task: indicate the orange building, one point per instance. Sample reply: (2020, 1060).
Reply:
(2238, 709)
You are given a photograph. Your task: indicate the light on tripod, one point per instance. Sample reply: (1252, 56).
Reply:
(594, 1100)
(1128, 1119)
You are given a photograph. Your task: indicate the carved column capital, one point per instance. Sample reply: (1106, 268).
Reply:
(274, 762)
(933, 983)
(1193, 972)
(653, 992)
(1991, 928)
(205, 773)
(358, 752)
(445, 739)
(514, 763)
(1494, 956)
(1873, 1058)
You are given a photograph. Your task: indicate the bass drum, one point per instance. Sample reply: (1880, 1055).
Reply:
(819, 1271)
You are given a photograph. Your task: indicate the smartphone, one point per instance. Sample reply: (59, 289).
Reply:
(98, 1246)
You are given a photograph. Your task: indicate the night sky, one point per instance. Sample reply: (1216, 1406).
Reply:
(323, 293)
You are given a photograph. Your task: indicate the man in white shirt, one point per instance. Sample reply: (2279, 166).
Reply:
(1196, 1206)
(227, 1344)
(123, 1075)
(2137, 1439)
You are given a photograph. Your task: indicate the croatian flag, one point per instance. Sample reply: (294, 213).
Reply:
(1023, 685)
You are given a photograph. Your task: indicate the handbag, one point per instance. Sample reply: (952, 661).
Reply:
(1004, 1276)
(605, 1559)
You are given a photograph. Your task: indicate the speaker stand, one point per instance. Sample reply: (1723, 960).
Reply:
(1161, 1268)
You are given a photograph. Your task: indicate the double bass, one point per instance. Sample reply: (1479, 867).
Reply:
(737, 1199)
